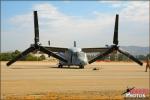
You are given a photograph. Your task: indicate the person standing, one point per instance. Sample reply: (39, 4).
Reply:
(147, 64)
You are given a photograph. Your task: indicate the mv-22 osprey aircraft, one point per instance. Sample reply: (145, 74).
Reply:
(73, 56)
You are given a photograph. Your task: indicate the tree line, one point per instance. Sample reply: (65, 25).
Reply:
(120, 57)
(11, 55)
(30, 57)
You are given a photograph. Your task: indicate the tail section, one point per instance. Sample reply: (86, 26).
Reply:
(75, 44)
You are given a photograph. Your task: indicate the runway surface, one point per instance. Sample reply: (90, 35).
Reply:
(39, 80)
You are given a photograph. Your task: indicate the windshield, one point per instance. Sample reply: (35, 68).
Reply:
(81, 54)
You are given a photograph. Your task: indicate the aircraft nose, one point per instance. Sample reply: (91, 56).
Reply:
(83, 62)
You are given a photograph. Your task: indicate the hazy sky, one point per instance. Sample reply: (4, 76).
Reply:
(90, 23)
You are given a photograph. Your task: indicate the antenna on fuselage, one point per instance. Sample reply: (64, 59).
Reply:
(75, 44)
(49, 43)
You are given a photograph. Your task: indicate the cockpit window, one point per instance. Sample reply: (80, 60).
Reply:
(80, 54)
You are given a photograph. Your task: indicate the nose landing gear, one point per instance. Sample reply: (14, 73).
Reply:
(81, 67)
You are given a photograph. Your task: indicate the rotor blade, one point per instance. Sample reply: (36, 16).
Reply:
(102, 55)
(131, 57)
(50, 53)
(24, 53)
(115, 40)
(36, 27)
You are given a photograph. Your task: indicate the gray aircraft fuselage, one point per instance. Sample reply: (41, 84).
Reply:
(75, 56)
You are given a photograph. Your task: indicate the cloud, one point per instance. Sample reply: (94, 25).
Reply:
(115, 4)
(136, 8)
(133, 21)
(129, 9)
(63, 29)
(55, 25)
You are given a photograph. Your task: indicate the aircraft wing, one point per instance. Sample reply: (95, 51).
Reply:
(88, 50)
(56, 49)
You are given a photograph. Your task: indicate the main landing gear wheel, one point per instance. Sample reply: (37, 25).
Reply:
(60, 66)
(81, 67)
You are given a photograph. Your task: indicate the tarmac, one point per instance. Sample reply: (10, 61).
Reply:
(32, 80)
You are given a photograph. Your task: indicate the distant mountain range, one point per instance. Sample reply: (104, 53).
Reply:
(136, 50)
